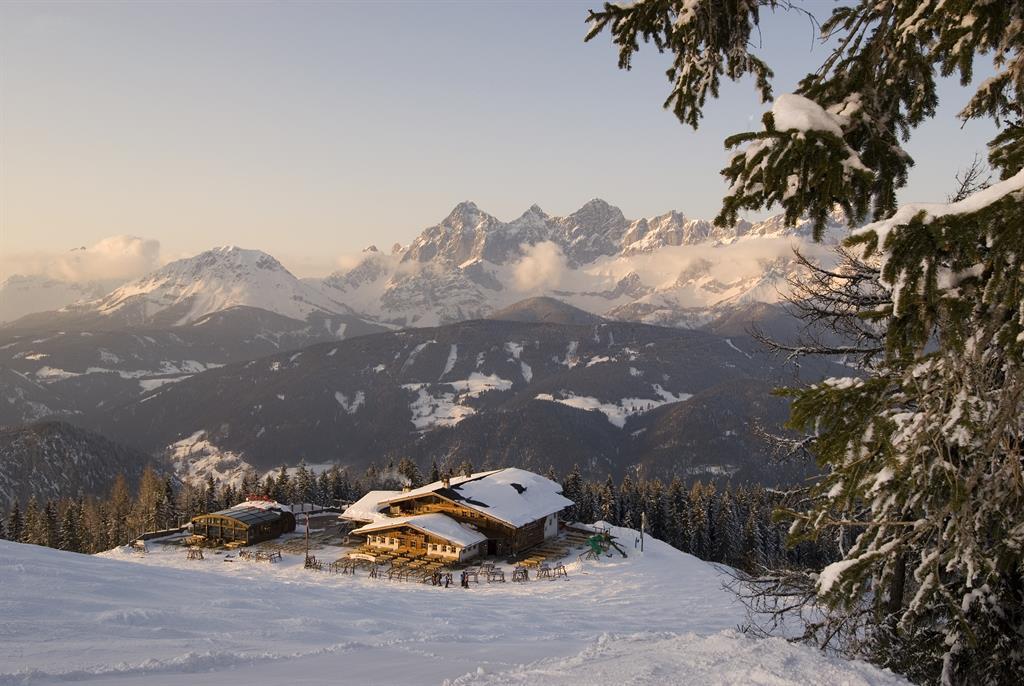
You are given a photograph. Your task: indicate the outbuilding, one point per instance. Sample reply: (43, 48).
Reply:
(244, 523)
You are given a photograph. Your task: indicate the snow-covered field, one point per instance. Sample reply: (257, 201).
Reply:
(656, 618)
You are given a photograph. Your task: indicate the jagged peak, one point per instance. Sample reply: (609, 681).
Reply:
(466, 212)
(598, 209)
(533, 213)
(371, 248)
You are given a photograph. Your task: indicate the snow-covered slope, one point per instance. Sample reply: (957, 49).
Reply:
(670, 269)
(161, 620)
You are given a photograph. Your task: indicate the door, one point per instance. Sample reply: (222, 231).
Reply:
(492, 546)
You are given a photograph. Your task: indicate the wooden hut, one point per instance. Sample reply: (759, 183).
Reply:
(244, 523)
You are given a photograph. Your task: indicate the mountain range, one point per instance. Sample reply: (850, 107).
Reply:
(608, 396)
(669, 269)
(589, 339)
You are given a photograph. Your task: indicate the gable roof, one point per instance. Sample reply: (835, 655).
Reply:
(435, 524)
(368, 508)
(511, 495)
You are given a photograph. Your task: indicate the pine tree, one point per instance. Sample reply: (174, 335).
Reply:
(250, 484)
(35, 525)
(435, 472)
(608, 502)
(572, 488)
(211, 501)
(923, 456)
(283, 488)
(410, 471)
(303, 483)
(15, 523)
(51, 526)
(70, 538)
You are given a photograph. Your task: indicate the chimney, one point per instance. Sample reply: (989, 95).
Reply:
(406, 488)
(446, 482)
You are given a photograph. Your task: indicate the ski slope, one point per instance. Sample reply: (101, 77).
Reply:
(656, 618)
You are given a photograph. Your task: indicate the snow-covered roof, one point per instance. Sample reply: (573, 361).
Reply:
(265, 505)
(511, 495)
(368, 508)
(434, 523)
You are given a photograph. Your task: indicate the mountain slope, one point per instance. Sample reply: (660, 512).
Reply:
(70, 372)
(54, 460)
(492, 392)
(547, 310)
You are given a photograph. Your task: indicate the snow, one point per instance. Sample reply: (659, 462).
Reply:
(728, 341)
(972, 203)
(54, 374)
(196, 457)
(368, 508)
(429, 411)
(478, 384)
(350, 406)
(831, 575)
(617, 413)
(161, 620)
(434, 523)
(653, 658)
(514, 349)
(453, 356)
(794, 112)
(447, 409)
(151, 384)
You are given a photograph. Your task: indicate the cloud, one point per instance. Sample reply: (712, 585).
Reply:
(117, 258)
(542, 267)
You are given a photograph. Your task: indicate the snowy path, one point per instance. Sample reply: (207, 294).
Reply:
(160, 619)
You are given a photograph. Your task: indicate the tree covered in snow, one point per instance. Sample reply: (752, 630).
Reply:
(922, 454)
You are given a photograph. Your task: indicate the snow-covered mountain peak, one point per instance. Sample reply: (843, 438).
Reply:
(227, 276)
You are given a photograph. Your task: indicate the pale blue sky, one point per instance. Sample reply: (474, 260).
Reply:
(311, 130)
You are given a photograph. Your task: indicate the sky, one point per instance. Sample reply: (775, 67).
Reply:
(311, 130)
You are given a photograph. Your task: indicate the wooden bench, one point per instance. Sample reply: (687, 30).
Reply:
(194, 553)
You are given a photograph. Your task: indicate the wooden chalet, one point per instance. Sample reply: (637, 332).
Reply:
(501, 512)
(243, 523)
